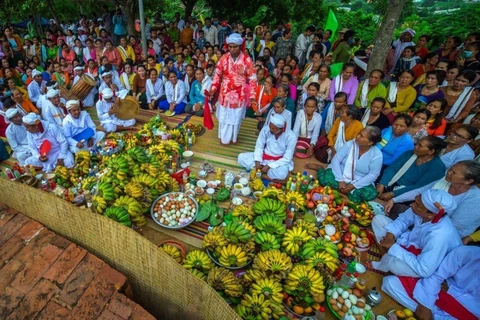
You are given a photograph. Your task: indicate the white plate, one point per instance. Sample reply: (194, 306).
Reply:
(237, 201)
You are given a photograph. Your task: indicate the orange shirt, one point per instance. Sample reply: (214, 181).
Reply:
(265, 99)
(28, 106)
(65, 81)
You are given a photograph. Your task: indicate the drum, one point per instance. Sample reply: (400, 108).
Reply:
(128, 108)
(82, 88)
(67, 95)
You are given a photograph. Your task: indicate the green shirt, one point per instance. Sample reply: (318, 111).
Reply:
(342, 53)
(378, 91)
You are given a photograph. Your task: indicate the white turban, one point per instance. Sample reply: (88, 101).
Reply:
(277, 120)
(72, 103)
(52, 93)
(78, 68)
(446, 200)
(31, 118)
(35, 73)
(409, 30)
(107, 93)
(235, 38)
(12, 112)
(108, 73)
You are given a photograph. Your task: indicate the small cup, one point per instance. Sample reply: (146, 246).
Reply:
(246, 191)
(243, 181)
(210, 191)
(201, 183)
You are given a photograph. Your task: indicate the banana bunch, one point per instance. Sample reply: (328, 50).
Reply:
(272, 193)
(232, 256)
(254, 306)
(145, 180)
(294, 197)
(304, 278)
(212, 241)
(150, 169)
(88, 183)
(319, 245)
(320, 259)
(270, 206)
(82, 158)
(131, 141)
(62, 173)
(252, 275)
(249, 248)
(293, 239)
(163, 180)
(119, 163)
(266, 241)
(243, 212)
(138, 154)
(248, 226)
(173, 252)
(173, 186)
(133, 207)
(310, 227)
(99, 204)
(224, 280)
(236, 232)
(270, 224)
(139, 220)
(134, 189)
(270, 288)
(200, 275)
(273, 263)
(106, 191)
(122, 176)
(113, 136)
(118, 214)
(256, 184)
(198, 260)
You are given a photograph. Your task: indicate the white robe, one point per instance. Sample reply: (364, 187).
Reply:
(459, 268)
(17, 139)
(41, 102)
(89, 100)
(53, 114)
(110, 122)
(72, 127)
(267, 143)
(313, 127)
(454, 156)
(435, 240)
(116, 82)
(59, 148)
(176, 94)
(35, 90)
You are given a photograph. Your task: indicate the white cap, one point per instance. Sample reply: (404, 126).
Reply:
(277, 120)
(52, 93)
(78, 68)
(235, 38)
(108, 73)
(35, 73)
(12, 112)
(107, 93)
(31, 118)
(72, 103)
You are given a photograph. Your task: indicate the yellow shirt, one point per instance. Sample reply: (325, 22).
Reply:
(404, 100)
(350, 133)
(126, 53)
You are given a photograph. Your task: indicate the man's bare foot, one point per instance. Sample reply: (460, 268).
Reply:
(315, 166)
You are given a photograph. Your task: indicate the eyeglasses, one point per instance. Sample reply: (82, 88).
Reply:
(455, 134)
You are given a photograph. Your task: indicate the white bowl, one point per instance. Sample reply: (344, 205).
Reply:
(243, 181)
(238, 186)
(201, 183)
(210, 191)
(202, 173)
(187, 154)
(257, 194)
(237, 201)
(212, 184)
(246, 191)
(184, 165)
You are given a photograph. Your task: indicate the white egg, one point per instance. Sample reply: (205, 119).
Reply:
(329, 292)
(349, 311)
(178, 213)
(361, 311)
(156, 215)
(162, 220)
(367, 307)
(353, 299)
(345, 294)
(173, 206)
(330, 230)
(327, 237)
(335, 295)
(348, 303)
(161, 206)
(355, 310)
(339, 305)
(339, 290)
(183, 216)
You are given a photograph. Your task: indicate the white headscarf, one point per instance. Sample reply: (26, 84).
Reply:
(35, 73)
(235, 38)
(31, 118)
(12, 112)
(52, 93)
(278, 120)
(446, 200)
(72, 103)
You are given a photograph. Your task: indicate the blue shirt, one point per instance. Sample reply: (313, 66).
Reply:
(396, 146)
(120, 23)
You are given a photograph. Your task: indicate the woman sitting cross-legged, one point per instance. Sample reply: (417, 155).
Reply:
(176, 95)
(413, 169)
(197, 95)
(355, 166)
(308, 123)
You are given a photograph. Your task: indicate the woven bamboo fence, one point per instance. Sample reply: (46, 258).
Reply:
(160, 285)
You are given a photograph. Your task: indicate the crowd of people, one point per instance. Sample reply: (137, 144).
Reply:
(405, 134)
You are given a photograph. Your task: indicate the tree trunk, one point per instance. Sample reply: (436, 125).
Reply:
(385, 34)
(129, 10)
(189, 5)
(52, 11)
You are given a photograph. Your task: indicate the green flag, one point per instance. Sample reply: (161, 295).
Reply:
(332, 24)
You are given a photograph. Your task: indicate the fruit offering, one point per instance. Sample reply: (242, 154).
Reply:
(343, 301)
(175, 210)
(362, 213)
(398, 314)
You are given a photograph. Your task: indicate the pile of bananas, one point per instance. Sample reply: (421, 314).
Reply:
(256, 184)
(224, 282)
(198, 263)
(293, 197)
(270, 224)
(310, 227)
(172, 251)
(306, 279)
(243, 212)
(118, 214)
(62, 176)
(272, 263)
(294, 239)
(270, 206)
(271, 192)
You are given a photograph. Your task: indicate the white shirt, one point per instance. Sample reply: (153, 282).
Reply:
(72, 127)
(35, 90)
(53, 114)
(154, 91)
(17, 137)
(454, 156)
(211, 34)
(284, 146)
(176, 94)
(286, 114)
(313, 126)
(156, 45)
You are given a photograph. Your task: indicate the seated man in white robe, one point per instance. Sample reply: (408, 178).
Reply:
(274, 150)
(37, 87)
(54, 110)
(107, 108)
(110, 82)
(426, 296)
(79, 128)
(89, 100)
(42, 100)
(46, 155)
(17, 136)
(419, 252)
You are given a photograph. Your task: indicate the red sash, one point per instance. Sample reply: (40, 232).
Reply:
(269, 157)
(444, 302)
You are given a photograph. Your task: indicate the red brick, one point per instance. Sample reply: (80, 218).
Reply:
(33, 272)
(113, 276)
(53, 311)
(108, 315)
(29, 230)
(93, 300)
(141, 314)
(10, 248)
(9, 300)
(65, 264)
(34, 301)
(9, 272)
(60, 242)
(34, 246)
(6, 215)
(79, 280)
(121, 305)
(11, 227)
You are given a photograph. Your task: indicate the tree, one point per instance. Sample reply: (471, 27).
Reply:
(189, 5)
(385, 34)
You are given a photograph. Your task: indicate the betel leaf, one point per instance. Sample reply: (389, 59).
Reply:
(205, 211)
(222, 195)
